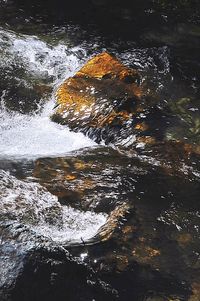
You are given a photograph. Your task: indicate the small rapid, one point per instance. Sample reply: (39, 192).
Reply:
(33, 134)
(24, 136)
(29, 205)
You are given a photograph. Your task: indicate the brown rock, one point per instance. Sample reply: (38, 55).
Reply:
(101, 100)
(87, 181)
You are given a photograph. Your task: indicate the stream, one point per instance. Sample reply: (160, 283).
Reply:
(123, 222)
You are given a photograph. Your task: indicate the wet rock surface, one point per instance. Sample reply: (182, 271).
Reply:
(90, 181)
(101, 99)
(87, 180)
(35, 273)
(106, 101)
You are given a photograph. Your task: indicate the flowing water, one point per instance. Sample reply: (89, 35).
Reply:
(33, 134)
(129, 213)
(30, 205)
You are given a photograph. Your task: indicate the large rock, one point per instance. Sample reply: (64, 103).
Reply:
(102, 100)
(106, 101)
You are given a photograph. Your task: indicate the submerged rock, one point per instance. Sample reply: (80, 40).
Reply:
(46, 272)
(34, 265)
(91, 180)
(149, 246)
(102, 100)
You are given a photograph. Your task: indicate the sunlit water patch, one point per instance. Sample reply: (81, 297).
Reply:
(30, 205)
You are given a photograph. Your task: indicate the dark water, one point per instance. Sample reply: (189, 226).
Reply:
(135, 212)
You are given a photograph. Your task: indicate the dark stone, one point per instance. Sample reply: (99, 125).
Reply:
(34, 270)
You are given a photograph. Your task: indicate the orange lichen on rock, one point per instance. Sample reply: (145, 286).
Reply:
(70, 94)
(141, 126)
(146, 254)
(105, 65)
(70, 177)
(113, 221)
(102, 94)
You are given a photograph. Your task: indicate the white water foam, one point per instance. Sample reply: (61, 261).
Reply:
(35, 136)
(38, 57)
(31, 205)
